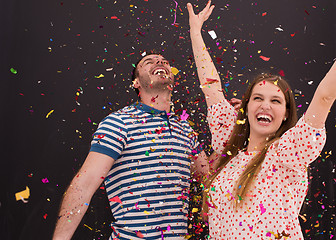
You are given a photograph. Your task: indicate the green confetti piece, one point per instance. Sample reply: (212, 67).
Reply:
(13, 70)
(213, 189)
(133, 65)
(147, 153)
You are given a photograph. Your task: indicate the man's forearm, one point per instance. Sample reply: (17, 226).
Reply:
(73, 208)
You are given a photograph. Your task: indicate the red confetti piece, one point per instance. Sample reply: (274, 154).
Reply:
(139, 234)
(265, 58)
(115, 199)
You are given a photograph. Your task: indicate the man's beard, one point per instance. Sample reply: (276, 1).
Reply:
(157, 85)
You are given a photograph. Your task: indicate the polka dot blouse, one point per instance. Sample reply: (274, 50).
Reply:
(274, 201)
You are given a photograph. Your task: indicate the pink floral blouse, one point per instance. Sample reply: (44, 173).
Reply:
(272, 208)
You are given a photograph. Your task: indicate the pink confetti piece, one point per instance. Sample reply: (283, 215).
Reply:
(230, 194)
(175, 13)
(210, 205)
(184, 115)
(262, 209)
(45, 180)
(160, 229)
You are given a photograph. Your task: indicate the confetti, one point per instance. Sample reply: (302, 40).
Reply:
(100, 76)
(49, 113)
(266, 59)
(45, 180)
(115, 199)
(13, 71)
(139, 234)
(212, 34)
(23, 194)
(184, 115)
(262, 209)
(175, 71)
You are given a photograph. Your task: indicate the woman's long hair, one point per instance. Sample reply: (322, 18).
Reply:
(239, 141)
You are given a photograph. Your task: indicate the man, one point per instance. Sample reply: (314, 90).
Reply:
(143, 153)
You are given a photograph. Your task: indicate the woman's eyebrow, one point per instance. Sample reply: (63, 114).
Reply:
(259, 94)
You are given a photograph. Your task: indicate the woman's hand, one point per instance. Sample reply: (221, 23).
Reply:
(236, 103)
(196, 21)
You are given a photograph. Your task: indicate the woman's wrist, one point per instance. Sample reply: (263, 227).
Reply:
(195, 32)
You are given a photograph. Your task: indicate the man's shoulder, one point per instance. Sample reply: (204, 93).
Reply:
(124, 114)
(182, 122)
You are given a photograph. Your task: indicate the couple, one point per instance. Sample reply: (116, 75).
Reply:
(145, 153)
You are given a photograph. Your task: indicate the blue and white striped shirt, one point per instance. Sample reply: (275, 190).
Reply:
(151, 173)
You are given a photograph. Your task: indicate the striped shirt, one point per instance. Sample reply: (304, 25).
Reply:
(149, 181)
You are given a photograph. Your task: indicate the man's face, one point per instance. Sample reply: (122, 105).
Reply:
(154, 73)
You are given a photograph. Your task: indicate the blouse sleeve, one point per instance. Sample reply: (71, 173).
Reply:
(221, 119)
(301, 145)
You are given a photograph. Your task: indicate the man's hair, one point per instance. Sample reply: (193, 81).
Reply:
(135, 71)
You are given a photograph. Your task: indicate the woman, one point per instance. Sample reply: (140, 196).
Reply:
(260, 180)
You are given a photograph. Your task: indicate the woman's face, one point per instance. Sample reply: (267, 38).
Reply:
(266, 110)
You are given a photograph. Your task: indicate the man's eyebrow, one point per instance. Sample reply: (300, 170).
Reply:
(147, 59)
(152, 59)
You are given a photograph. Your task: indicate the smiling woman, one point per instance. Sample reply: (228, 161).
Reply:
(259, 182)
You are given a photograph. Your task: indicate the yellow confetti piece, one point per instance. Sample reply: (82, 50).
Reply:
(241, 121)
(87, 226)
(228, 196)
(194, 210)
(229, 153)
(175, 70)
(100, 76)
(49, 113)
(146, 212)
(23, 194)
(303, 218)
(276, 82)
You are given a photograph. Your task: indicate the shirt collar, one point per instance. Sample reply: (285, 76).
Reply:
(151, 110)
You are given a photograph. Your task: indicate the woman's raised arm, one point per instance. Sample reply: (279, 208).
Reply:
(206, 70)
(323, 100)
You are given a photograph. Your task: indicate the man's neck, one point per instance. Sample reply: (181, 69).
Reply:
(160, 101)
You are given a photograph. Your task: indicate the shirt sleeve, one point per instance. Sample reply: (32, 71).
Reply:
(110, 137)
(301, 145)
(221, 119)
(195, 146)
